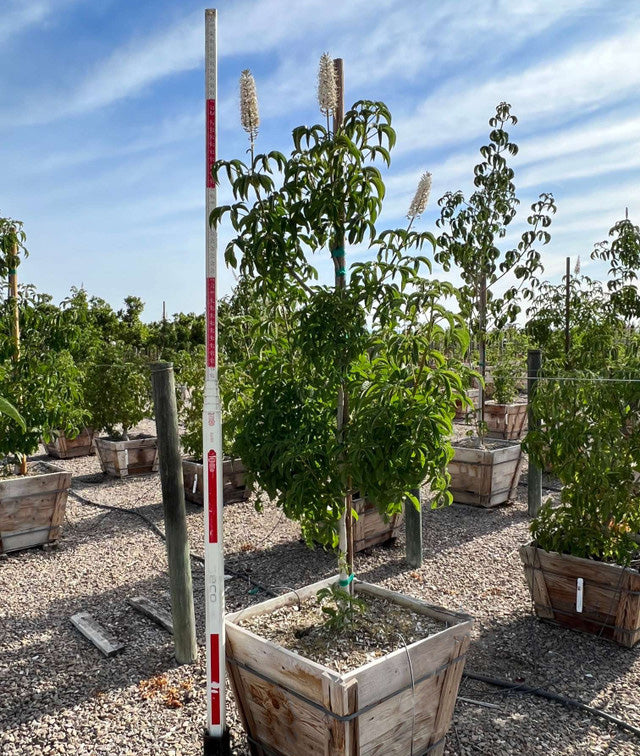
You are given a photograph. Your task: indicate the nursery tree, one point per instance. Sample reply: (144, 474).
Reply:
(473, 228)
(43, 385)
(623, 256)
(362, 349)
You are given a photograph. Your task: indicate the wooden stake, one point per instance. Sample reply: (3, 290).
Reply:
(413, 530)
(567, 305)
(534, 474)
(166, 414)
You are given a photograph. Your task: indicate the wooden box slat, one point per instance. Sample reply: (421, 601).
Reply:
(506, 421)
(32, 509)
(286, 700)
(233, 481)
(137, 456)
(611, 598)
(370, 529)
(68, 448)
(485, 477)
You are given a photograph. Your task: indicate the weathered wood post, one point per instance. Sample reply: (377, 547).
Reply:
(413, 530)
(534, 474)
(175, 517)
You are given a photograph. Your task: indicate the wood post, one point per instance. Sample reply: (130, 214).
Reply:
(534, 474)
(413, 530)
(166, 414)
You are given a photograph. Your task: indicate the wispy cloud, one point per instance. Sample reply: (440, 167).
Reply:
(588, 78)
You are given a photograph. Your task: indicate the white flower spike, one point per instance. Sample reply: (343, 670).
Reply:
(249, 114)
(421, 197)
(327, 87)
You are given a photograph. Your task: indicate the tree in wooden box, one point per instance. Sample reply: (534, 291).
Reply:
(118, 398)
(44, 386)
(471, 232)
(351, 394)
(582, 567)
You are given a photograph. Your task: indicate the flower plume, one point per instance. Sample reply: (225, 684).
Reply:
(249, 114)
(327, 87)
(421, 197)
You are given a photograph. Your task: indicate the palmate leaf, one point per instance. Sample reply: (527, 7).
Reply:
(6, 408)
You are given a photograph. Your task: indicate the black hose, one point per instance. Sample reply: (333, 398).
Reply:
(160, 534)
(570, 702)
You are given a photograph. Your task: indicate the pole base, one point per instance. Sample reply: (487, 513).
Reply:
(217, 745)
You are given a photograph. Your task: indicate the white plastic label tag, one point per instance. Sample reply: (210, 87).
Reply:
(579, 594)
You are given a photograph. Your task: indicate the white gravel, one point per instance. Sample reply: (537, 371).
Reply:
(59, 695)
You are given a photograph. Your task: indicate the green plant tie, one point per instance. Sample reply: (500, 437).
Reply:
(345, 583)
(341, 271)
(12, 271)
(337, 252)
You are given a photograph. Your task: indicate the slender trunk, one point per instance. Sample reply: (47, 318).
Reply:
(345, 531)
(482, 349)
(15, 326)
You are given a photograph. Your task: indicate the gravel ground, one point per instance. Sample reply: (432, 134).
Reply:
(59, 695)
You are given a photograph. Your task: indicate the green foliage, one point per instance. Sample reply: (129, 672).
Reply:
(596, 331)
(6, 408)
(45, 389)
(474, 227)
(340, 608)
(118, 389)
(590, 436)
(381, 339)
(184, 333)
(623, 256)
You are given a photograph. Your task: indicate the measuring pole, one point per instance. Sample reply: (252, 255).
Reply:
(216, 737)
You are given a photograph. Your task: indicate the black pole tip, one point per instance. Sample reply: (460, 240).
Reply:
(217, 745)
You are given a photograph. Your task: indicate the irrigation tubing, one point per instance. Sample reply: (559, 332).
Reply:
(161, 535)
(515, 687)
(564, 700)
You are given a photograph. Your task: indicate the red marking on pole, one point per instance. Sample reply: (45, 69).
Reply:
(214, 640)
(211, 322)
(212, 472)
(215, 658)
(211, 141)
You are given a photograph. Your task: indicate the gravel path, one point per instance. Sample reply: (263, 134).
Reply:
(59, 695)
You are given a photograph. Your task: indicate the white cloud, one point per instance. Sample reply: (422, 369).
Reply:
(588, 78)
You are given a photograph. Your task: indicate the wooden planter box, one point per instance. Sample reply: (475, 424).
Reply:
(66, 448)
(233, 486)
(485, 477)
(611, 594)
(370, 529)
(291, 706)
(138, 456)
(506, 421)
(474, 397)
(32, 509)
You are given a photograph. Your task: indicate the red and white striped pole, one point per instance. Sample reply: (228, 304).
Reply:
(216, 738)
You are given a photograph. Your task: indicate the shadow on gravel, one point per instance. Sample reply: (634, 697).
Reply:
(534, 653)
(539, 653)
(50, 666)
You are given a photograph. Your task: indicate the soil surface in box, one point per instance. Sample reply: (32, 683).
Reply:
(375, 630)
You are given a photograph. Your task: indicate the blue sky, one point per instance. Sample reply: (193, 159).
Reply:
(102, 119)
